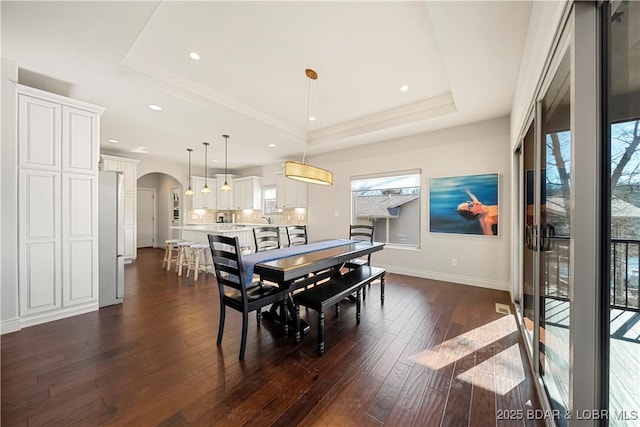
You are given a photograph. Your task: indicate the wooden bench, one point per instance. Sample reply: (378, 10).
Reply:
(332, 292)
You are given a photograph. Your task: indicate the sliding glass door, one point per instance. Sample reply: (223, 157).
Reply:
(547, 207)
(555, 212)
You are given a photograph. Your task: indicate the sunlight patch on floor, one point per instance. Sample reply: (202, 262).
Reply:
(465, 344)
(507, 373)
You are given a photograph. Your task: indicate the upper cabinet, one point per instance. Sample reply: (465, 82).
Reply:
(129, 169)
(79, 129)
(247, 193)
(201, 200)
(225, 199)
(290, 193)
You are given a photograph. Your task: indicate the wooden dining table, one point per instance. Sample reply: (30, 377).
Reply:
(300, 270)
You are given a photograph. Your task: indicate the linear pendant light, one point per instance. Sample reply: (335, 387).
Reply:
(302, 171)
(189, 191)
(206, 188)
(225, 186)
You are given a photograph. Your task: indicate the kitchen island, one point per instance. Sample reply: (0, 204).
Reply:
(198, 233)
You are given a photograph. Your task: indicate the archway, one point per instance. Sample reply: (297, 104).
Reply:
(159, 207)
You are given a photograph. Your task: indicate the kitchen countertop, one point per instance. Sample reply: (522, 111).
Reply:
(232, 224)
(220, 228)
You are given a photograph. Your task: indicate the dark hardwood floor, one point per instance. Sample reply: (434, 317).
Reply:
(434, 354)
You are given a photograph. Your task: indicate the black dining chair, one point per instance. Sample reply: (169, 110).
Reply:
(297, 235)
(234, 293)
(363, 233)
(266, 238)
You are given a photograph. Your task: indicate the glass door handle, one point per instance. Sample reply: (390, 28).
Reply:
(532, 238)
(547, 232)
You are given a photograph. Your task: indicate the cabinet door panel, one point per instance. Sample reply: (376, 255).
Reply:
(79, 272)
(39, 133)
(79, 140)
(40, 204)
(129, 171)
(111, 165)
(40, 278)
(301, 195)
(79, 206)
(129, 210)
(129, 242)
(79, 244)
(281, 189)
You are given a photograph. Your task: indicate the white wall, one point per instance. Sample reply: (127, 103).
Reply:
(9, 312)
(471, 149)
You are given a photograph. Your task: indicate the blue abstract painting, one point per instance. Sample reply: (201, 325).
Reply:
(464, 204)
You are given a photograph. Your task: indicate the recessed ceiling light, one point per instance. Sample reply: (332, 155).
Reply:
(194, 55)
(272, 145)
(155, 107)
(140, 149)
(312, 118)
(214, 161)
(113, 141)
(404, 88)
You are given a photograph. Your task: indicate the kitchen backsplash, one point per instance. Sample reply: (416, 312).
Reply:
(209, 216)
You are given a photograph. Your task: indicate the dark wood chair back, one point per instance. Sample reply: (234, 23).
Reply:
(234, 292)
(363, 233)
(266, 238)
(297, 235)
(227, 262)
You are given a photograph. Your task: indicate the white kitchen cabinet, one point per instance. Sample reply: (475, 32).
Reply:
(39, 122)
(225, 200)
(201, 200)
(40, 235)
(247, 192)
(79, 231)
(129, 169)
(58, 142)
(290, 193)
(79, 129)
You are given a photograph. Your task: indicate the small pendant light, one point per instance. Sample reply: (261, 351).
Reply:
(189, 191)
(225, 186)
(206, 188)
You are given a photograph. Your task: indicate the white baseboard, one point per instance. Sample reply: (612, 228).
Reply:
(10, 325)
(39, 318)
(445, 277)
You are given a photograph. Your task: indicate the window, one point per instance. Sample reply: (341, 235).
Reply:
(391, 203)
(269, 201)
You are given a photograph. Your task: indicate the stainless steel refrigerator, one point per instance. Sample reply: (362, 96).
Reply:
(111, 237)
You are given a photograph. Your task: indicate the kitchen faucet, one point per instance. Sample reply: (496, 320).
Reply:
(267, 218)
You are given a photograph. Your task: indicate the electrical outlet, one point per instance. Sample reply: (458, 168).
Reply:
(336, 213)
(454, 262)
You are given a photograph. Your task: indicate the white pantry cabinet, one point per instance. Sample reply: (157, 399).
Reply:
(58, 141)
(247, 192)
(129, 169)
(290, 193)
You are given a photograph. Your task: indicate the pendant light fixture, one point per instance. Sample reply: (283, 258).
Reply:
(225, 186)
(189, 191)
(301, 171)
(206, 188)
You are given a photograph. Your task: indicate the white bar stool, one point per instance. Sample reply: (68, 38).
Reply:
(183, 257)
(170, 252)
(199, 260)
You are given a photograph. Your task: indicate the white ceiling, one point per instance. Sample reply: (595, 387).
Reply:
(459, 59)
